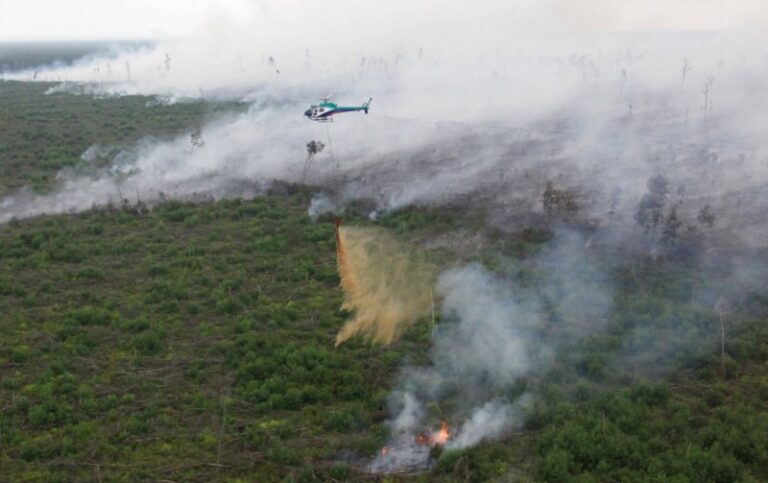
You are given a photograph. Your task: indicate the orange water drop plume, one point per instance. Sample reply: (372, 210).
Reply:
(385, 287)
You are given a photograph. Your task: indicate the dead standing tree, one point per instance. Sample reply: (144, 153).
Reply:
(686, 69)
(721, 310)
(706, 109)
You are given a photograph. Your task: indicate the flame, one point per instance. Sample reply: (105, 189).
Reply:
(441, 437)
(403, 454)
(437, 438)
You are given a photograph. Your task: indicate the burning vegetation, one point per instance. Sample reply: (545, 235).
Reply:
(436, 438)
(409, 452)
(412, 452)
(619, 323)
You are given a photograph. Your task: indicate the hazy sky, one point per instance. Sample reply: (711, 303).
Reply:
(72, 19)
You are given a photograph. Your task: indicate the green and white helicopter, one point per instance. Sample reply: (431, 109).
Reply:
(324, 111)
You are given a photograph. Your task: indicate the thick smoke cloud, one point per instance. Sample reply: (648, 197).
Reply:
(488, 342)
(474, 105)
(482, 101)
(493, 344)
(488, 117)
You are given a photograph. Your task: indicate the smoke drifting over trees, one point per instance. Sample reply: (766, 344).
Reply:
(635, 141)
(492, 119)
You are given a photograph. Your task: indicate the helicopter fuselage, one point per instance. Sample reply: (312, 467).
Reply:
(324, 111)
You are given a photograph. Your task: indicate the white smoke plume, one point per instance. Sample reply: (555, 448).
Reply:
(487, 422)
(322, 204)
(474, 102)
(488, 342)
(481, 101)
(493, 343)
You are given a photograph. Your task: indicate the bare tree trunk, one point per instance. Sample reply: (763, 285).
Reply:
(432, 301)
(222, 425)
(722, 338)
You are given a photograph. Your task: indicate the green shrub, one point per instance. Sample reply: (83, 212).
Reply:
(151, 342)
(9, 289)
(352, 419)
(339, 471)
(89, 316)
(283, 455)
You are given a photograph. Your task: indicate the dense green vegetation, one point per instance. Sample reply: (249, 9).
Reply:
(194, 342)
(41, 134)
(704, 417)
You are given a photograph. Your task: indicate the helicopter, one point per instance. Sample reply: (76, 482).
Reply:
(324, 111)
